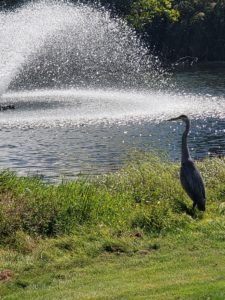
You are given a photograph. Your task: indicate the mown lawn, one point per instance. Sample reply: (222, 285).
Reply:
(129, 235)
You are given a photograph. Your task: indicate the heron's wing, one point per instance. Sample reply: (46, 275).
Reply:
(191, 181)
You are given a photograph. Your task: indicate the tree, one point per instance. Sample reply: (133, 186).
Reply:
(144, 12)
(201, 29)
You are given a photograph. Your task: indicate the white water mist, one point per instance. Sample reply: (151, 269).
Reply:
(53, 44)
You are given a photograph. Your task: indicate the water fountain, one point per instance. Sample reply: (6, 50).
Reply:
(62, 45)
(73, 73)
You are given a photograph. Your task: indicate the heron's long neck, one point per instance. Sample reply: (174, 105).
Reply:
(185, 150)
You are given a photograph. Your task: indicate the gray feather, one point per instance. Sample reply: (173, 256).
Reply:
(192, 183)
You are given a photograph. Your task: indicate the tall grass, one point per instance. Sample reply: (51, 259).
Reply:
(145, 194)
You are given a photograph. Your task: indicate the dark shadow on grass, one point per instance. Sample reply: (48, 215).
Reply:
(185, 209)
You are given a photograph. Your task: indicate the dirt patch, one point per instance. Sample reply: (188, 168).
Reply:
(6, 275)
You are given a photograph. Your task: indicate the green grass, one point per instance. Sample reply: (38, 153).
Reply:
(129, 235)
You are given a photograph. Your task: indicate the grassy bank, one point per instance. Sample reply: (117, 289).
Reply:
(129, 235)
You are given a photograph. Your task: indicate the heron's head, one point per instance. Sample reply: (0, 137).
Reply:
(181, 117)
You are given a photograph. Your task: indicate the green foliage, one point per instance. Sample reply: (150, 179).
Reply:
(101, 263)
(81, 239)
(181, 28)
(147, 11)
(144, 194)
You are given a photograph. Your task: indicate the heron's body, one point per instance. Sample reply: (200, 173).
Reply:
(192, 183)
(191, 179)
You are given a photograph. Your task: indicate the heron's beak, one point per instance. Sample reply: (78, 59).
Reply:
(174, 119)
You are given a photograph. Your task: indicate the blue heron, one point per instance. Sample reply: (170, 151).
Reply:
(191, 179)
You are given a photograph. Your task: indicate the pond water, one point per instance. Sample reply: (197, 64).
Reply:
(62, 133)
(87, 94)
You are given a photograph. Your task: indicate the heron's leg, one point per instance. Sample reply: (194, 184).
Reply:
(192, 212)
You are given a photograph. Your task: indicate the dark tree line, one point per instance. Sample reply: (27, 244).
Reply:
(171, 28)
(10, 4)
(198, 30)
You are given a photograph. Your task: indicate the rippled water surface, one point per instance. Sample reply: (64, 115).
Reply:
(67, 132)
